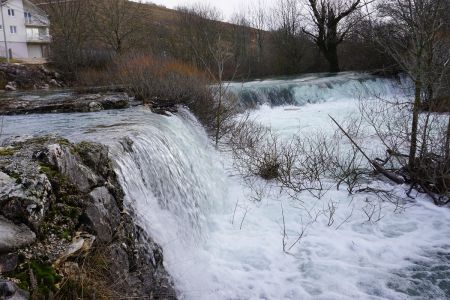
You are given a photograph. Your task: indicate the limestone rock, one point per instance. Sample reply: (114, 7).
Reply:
(11, 86)
(62, 191)
(103, 213)
(8, 188)
(8, 262)
(95, 106)
(14, 236)
(28, 201)
(10, 291)
(16, 105)
(69, 166)
(81, 244)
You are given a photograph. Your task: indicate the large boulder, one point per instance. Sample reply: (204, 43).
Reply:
(102, 213)
(14, 236)
(24, 194)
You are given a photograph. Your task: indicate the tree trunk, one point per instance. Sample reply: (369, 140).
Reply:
(447, 141)
(415, 123)
(332, 58)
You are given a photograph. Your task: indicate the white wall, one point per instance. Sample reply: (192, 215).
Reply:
(34, 51)
(19, 50)
(17, 20)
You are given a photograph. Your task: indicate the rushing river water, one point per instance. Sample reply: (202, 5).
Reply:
(220, 244)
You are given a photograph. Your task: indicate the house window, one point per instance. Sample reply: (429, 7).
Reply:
(11, 12)
(13, 29)
(27, 16)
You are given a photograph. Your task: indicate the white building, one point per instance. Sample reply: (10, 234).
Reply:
(26, 29)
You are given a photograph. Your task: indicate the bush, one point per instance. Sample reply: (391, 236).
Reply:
(165, 83)
(161, 81)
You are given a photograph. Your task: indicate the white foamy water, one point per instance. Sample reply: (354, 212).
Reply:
(220, 244)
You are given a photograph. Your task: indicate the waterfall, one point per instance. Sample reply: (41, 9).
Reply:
(316, 89)
(186, 200)
(169, 174)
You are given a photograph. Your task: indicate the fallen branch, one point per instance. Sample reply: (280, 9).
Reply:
(375, 164)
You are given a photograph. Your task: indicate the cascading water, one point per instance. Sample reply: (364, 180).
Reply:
(314, 88)
(168, 171)
(218, 244)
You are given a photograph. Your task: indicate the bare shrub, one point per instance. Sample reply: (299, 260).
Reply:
(300, 163)
(391, 121)
(256, 150)
(304, 165)
(347, 164)
(157, 80)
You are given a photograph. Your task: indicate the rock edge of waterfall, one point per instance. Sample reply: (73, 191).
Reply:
(64, 232)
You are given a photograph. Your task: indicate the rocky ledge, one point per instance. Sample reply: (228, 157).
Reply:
(73, 103)
(64, 233)
(16, 76)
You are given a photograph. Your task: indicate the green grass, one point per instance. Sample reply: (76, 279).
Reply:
(45, 275)
(7, 151)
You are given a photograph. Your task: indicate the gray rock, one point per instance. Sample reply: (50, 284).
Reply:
(103, 213)
(8, 188)
(14, 236)
(68, 165)
(95, 106)
(10, 291)
(16, 105)
(26, 202)
(11, 86)
(8, 262)
(120, 265)
(54, 83)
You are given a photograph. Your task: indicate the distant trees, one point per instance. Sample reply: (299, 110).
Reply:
(259, 23)
(265, 41)
(287, 30)
(331, 25)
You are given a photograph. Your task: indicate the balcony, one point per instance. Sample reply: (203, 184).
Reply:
(35, 22)
(35, 38)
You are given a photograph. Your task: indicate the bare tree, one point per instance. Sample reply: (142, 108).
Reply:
(410, 32)
(212, 51)
(287, 35)
(241, 37)
(118, 24)
(331, 25)
(69, 33)
(258, 21)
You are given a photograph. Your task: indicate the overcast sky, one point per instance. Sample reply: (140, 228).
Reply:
(228, 7)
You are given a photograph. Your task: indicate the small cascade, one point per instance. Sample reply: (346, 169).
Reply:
(316, 89)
